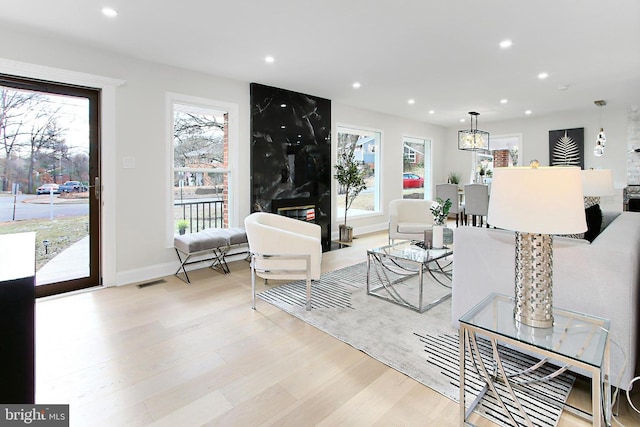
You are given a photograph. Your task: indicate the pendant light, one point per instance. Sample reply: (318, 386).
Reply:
(598, 150)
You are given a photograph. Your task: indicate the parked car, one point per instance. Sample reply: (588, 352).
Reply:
(73, 186)
(48, 188)
(411, 180)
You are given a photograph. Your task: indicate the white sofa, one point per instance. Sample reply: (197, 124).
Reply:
(601, 279)
(409, 218)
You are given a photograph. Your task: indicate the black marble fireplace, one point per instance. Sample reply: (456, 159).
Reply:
(291, 156)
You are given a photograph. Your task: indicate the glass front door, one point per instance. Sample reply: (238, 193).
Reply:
(49, 178)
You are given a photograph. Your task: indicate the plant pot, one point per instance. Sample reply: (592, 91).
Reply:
(345, 233)
(438, 236)
(181, 232)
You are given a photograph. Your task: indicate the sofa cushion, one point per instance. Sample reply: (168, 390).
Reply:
(594, 222)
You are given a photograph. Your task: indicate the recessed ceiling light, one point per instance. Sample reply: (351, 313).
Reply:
(432, 112)
(543, 76)
(505, 44)
(269, 59)
(107, 11)
(356, 85)
(504, 101)
(282, 127)
(462, 120)
(528, 112)
(411, 101)
(283, 105)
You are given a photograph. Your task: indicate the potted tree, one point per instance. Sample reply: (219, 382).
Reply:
(350, 177)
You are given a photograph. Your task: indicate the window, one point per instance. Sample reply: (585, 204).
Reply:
(416, 176)
(512, 143)
(365, 144)
(483, 161)
(201, 171)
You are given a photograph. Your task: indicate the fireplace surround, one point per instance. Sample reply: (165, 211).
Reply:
(291, 155)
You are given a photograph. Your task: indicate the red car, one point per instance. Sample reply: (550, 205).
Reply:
(411, 180)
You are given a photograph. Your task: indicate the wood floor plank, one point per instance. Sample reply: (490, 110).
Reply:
(173, 354)
(196, 413)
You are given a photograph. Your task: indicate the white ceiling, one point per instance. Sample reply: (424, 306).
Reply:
(442, 53)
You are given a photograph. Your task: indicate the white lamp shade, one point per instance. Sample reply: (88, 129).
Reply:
(597, 182)
(546, 200)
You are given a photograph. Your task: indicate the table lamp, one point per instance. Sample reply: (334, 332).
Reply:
(536, 203)
(596, 183)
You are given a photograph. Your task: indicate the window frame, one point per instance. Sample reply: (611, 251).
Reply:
(232, 146)
(428, 169)
(376, 150)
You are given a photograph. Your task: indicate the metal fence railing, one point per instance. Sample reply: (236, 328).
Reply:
(200, 213)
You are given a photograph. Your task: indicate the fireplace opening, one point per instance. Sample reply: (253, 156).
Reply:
(305, 209)
(302, 213)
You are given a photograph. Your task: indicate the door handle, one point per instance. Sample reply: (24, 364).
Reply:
(96, 188)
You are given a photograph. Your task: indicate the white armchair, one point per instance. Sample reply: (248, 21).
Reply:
(409, 218)
(283, 248)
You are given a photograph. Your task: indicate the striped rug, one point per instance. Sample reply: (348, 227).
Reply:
(422, 346)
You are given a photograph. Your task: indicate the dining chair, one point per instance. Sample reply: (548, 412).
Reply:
(476, 198)
(450, 191)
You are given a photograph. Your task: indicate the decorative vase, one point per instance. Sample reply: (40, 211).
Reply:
(345, 233)
(438, 236)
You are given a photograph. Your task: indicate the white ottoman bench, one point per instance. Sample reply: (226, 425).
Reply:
(210, 244)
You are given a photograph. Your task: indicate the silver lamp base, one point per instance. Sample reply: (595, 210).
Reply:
(534, 280)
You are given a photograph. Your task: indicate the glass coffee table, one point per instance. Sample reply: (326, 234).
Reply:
(399, 273)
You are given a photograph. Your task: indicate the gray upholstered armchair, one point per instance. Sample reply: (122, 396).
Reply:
(283, 248)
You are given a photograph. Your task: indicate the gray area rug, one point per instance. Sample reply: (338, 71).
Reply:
(422, 346)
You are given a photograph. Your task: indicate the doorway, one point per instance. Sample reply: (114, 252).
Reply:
(49, 178)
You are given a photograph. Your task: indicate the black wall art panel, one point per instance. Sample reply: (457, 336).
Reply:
(566, 147)
(291, 155)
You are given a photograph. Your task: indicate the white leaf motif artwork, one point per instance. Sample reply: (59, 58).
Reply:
(566, 152)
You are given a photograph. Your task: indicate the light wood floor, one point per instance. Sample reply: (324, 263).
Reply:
(173, 354)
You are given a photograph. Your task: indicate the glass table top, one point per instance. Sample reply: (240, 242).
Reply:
(410, 251)
(578, 336)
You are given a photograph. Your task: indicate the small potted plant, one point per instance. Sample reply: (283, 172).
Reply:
(453, 178)
(351, 179)
(182, 225)
(440, 211)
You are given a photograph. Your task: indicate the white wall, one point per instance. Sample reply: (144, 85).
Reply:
(136, 206)
(139, 197)
(535, 139)
(393, 129)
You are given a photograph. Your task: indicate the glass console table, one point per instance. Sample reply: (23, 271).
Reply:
(575, 340)
(397, 273)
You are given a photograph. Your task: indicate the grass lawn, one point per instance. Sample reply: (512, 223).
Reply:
(61, 233)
